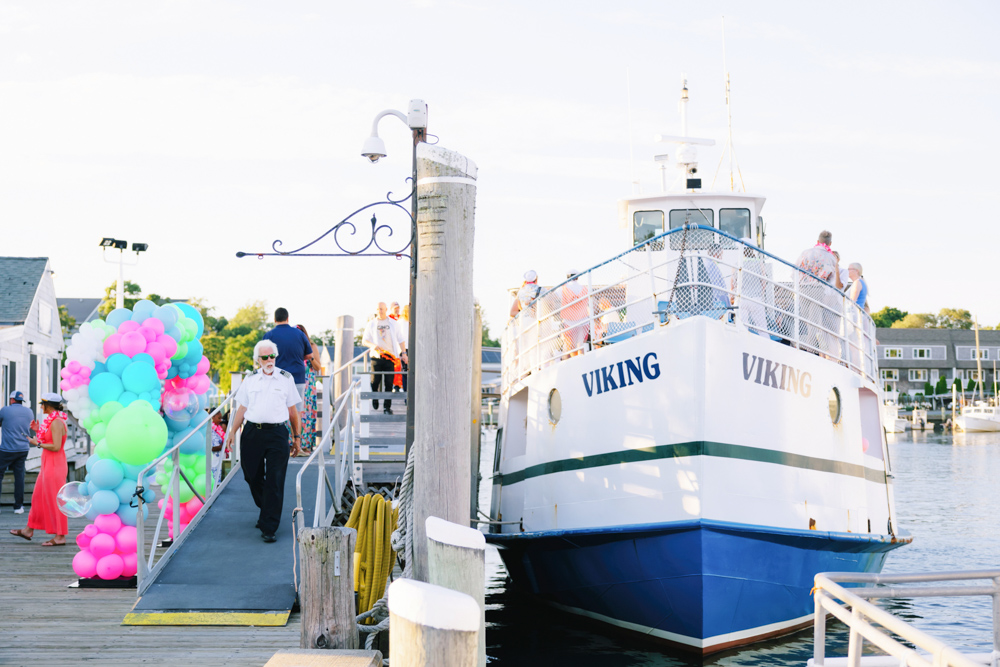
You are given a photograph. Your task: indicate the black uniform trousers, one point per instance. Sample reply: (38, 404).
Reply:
(383, 374)
(264, 459)
(14, 461)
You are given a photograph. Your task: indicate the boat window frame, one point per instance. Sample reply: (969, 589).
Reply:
(711, 222)
(749, 227)
(663, 221)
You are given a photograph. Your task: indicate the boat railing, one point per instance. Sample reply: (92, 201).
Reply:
(689, 271)
(869, 622)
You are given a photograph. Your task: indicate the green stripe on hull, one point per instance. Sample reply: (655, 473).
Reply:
(695, 448)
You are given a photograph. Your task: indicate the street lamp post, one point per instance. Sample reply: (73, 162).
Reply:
(121, 245)
(374, 149)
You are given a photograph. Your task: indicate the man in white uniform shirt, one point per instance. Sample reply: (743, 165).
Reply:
(383, 337)
(267, 399)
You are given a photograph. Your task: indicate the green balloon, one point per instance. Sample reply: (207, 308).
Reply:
(190, 329)
(186, 492)
(97, 431)
(109, 410)
(136, 434)
(182, 350)
(101, 450)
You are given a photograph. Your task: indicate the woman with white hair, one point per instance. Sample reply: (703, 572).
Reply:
(858, 292)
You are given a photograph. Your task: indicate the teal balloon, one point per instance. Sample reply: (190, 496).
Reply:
(149, 495)
(105, 387)
(139, 377)
(104, 502)
(143, 309)
(125, 490)
(117, 316)
(167, 314)
(85, 489)
(195, 444)
(144, 358)
(195, 350)
(106, 474)
(128, 514)
(117, 363)
(192, 312)
(127, 398)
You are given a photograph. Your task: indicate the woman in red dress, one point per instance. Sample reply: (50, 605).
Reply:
(45, 514)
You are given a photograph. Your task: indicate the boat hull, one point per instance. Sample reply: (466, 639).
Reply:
(976, 425)
(701, 585)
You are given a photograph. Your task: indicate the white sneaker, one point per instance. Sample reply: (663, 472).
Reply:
(19, 510)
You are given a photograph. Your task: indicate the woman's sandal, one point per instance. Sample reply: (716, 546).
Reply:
(53, 543)
(20, 533)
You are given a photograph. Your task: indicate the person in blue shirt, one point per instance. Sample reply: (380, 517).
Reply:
(294, 349)
(15, 428)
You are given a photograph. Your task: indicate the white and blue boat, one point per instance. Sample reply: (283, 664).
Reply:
(691, 430)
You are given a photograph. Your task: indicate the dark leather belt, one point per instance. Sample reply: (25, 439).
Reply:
(263, 426)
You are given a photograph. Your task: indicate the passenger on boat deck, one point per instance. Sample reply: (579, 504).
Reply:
(859, 286)
(529, 292)
(751, 289)
(575, 319)
(720, 297)
(842, 273)
(818, 316)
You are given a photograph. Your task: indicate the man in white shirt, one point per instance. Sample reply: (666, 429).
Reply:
(382, 336)
(267, 399)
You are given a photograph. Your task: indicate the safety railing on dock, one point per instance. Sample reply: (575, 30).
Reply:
(341, 445)
(867, 621)
(688, 271)
(146, 570)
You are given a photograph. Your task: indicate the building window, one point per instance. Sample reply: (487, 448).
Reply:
(45, 319)
(889, 387)
(890, 374)
(983, 354)
(893, 353)
(918, 375)
(972, 374)
(921, 353)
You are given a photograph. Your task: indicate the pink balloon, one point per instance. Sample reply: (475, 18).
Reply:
(203, 365)
(155, 324)
(126, 540)
(864, 444)
(83, 540)
(108, 523)
(127, 326)
(86, 371)
(64, 373)
(168, 343)
(193, 506)
(158, 352)
(200, 383)
(102, 545)
(85, 565)
(73, 366)
(148, 334)
(132, 344)
(110, 566)
(91, 530)
(112, 344)
(131, 565)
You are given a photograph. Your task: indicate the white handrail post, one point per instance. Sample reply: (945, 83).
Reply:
(175, 492)
(819, 629)
(796, 307)
(996, 614)
(140, 545)
(208, 461)
(652, 281)
(590, 310)
(855, 640)
(335, 451)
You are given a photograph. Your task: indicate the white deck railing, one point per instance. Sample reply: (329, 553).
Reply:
(689, 271)
(866, 621)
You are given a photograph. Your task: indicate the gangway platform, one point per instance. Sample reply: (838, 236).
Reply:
(223, 573)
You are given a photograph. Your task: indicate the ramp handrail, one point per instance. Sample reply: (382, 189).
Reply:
(687, 271)
(868, 621)
(343, 463)
(145, 570)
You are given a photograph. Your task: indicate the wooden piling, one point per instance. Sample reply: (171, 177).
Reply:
(446, 193)
(327, 589)
(431, 626)
(456, 559)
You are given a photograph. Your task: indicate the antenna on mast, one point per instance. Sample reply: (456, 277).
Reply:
(631, 148)
(729, 113)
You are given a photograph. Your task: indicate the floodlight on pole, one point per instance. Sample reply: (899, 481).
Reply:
(121, 245)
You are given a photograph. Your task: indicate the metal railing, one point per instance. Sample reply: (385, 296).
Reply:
(688, 271)
(146, 571)
(867, 621)
(341, 444)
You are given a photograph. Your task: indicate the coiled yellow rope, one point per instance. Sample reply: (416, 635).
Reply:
(375, 520)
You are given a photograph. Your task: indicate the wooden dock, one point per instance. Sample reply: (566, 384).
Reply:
(46, 623)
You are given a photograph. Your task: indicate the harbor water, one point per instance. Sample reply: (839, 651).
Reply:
(947, 497)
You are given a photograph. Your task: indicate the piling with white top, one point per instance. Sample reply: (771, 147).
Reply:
(456, 559)
(446, 197)
(431, 626)
(327, 591)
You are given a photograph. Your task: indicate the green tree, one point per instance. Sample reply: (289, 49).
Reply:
(942, 386)
(327, 337)
(67, 321)
(971, 386)
(928, 389)
(954, 318)
(887, 316)
(251, 317)
(238, 356)
(487, 341)
(917, 321)
(132, 292)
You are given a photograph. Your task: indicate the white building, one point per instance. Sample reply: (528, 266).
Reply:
(31, 342)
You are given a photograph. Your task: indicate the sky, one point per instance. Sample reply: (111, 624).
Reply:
(206, 128)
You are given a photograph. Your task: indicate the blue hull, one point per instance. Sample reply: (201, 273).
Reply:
(702, 585)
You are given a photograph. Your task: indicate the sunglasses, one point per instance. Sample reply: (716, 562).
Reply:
(268, 356)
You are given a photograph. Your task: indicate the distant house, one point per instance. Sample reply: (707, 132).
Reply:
(81, 310)
(31, 342)
(907, 358)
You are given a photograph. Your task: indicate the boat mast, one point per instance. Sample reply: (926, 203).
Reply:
(979, 366)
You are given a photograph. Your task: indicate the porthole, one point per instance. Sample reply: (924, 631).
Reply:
(555, 406)
(835, 405)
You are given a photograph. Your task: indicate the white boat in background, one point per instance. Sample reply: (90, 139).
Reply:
(891, 421)
(980, 417)
(691, 430)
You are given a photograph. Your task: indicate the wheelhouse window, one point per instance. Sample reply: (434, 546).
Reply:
(918, 375)
(893, 353)
(891, 374)
(692, 216)
(646, 225)
(921, 353)
(735, 222)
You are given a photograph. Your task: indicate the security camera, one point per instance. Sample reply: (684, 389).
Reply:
(693, 170)
(374, 148)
